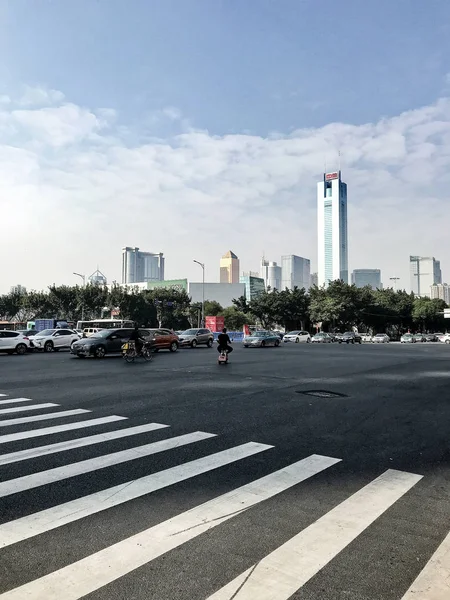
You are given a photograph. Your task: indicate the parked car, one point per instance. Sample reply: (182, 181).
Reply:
(13, 341)
(366, 337)
(407, 338)
(431, 337)
(88, 331)
(297, 337)
(381, 338)
(336, 336)
(260, 339)
(54, 339)
(164, 339)
(350, 337)
(419, 337)
(29, 333)
(105, 341)
(322, 338)
(444, 338)
(195, 337)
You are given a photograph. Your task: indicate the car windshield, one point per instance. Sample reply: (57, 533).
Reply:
(293, 333)
(47, 332)
(319, 335)
(190, 332)
(260, 334)
(102, 334)
(408, 335)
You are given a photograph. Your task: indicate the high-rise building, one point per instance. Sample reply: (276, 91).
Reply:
(332, 229)
(97, 278)
(253, 285)
(314, 279)
(370, 277)
(229, 268)
(271, 273)
(18, 289)
(139, 267)
(441, 291)
(425, 271)
(295, 272)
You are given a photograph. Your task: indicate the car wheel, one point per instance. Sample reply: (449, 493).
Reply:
(210, 344)
(173, 347)
(297, 340)
(48, 346)
(21, 349)
(360, 342)
(277, 343)
(308, 340)
(263, 344)
(194, 344)
(447, 341)
(100, 352)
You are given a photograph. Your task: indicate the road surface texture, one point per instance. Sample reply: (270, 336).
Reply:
(305, 471)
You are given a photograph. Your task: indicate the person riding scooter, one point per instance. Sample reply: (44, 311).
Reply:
(224, 342)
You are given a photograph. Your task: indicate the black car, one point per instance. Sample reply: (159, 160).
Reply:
(106, 341)
(431, 337)
(349, 337)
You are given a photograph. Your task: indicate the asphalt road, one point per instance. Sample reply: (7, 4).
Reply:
(259, 487)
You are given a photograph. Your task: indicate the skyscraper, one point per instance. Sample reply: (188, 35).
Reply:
(441, 291)
(425, 271)
(253, 285)
(363, 277)
(229, 268)
(139, 267)
(271, 273)
(295, 272)
(332, 229)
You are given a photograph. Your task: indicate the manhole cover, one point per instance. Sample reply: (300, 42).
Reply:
(321, 394)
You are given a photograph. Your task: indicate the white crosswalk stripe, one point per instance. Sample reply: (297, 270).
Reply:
(277, 576)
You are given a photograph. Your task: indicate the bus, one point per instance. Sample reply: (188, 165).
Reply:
(105, 324)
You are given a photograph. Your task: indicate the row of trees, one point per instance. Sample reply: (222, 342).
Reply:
(338, 307)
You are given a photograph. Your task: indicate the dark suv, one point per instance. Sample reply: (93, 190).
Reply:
(105, 341)
(350, 338)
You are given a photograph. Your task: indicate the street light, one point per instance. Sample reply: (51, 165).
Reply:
(203, 290)
(83, 277)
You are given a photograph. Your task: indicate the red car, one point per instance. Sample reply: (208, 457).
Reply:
(164, 339)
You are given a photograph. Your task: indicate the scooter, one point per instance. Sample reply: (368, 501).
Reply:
(223, 357)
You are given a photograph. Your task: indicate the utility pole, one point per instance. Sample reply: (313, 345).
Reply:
(203, 291)
(394, 279)
(83, 277)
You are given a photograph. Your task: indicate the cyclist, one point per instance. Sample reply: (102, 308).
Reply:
(137, 339)
(224, 341)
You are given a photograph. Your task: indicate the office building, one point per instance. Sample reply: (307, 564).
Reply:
(441, 291)
(332, 252)
(314, 279)
(18, 289)
(425, 271)
(271, 273)
(229, 268)
(363, 277)
(223, 293)
(254, 285)
(295, 272)
(139, 267)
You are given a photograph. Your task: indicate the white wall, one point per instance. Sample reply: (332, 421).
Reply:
(223, 293)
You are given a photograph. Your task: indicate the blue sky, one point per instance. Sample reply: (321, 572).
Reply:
(205, 85)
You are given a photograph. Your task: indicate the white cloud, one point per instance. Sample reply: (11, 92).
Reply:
(40, 96)
(86, 191)
(4, 99)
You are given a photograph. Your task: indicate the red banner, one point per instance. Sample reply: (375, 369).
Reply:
(215, 323)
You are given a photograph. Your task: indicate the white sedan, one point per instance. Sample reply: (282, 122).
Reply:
(297, 337)
(381, 338)
(13, 341)
(55, 339)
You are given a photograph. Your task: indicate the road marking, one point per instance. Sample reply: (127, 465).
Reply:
(16, 409)
(433, 582)
(97, 570)
(56, 415)
(89, 440)
(282, 572)
(25, 435)
(14, 400)
(52, 518)
(28, 482)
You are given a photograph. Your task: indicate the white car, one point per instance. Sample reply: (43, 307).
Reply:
(55, 339)
(445, 339)
(297, 337)
(13, 341)
(381, 338)
(366, 337)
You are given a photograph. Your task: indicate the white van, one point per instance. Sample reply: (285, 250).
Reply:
(88, 331)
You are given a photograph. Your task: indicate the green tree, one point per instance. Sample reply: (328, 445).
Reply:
(292, 308)
(241, 304)
(428, 314)
(234, 319)
(264, 308)
(212, 308)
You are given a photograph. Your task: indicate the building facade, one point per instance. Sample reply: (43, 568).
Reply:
(18, 289)
(314, 280)
(425, 271)
(139, 267)
(441, 291)
(370, 277)
(97, 278)
(271, 273)
(223, 293)
(229, 268)
(295, 272)
(332, 252)
(253, 285)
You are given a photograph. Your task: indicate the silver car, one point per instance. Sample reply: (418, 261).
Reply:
(196, 337)
(322, 338)
(381, 338)
(407, 338)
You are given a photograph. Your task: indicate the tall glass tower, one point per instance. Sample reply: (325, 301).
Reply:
(332, 252)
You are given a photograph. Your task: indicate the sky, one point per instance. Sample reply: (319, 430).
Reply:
(192, 127)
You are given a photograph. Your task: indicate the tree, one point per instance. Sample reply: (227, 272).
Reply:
(234, 319)
(264, 308)
(212, 308)
(292, 308)
(428, 314)
(241, 304)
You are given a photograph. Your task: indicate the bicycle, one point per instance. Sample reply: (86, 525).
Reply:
(129, 352)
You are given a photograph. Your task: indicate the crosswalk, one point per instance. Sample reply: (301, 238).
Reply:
(27, 481)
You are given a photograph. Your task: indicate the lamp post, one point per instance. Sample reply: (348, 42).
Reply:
(203, 290)
(394, 279)
(83, 277)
